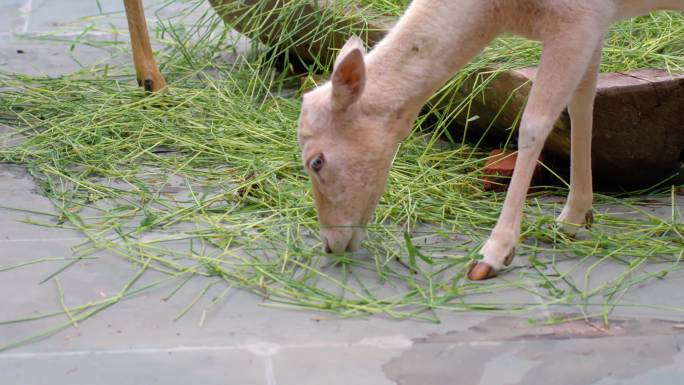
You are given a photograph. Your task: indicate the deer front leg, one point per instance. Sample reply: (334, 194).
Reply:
(577, 211)
(565, 59)
(146, 69)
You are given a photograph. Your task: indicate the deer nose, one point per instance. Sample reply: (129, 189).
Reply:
(337, 247)
(341, 240)
(336, 240)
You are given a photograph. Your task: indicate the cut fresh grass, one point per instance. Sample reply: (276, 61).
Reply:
(212, 165)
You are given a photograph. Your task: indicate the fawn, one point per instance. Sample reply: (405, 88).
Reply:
(350, 127)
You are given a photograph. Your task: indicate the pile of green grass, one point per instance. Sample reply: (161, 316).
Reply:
(213, 165)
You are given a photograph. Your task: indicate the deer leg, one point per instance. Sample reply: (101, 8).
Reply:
(146, 69)
(577, 211)
(565, 59)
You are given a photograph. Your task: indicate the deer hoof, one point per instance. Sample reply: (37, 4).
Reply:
(509, 257)
(589, 219)
(480, 270)
(148, 85)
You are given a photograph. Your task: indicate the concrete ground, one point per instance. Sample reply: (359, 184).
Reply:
(240, 341)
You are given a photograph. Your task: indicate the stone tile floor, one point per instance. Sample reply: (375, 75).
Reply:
(242, 342)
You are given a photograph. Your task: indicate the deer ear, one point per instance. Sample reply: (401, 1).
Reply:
(353, 43)
(349, 74)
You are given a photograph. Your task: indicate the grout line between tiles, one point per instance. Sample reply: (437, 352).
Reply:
(25, 12)
(41, 240)
(263, 349)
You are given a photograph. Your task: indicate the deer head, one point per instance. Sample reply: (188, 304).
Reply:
(348, 140)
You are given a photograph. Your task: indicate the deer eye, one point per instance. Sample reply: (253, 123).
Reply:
(316, 163)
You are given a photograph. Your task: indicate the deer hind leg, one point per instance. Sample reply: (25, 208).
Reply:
(577, 211)
(146, 69)
(564, 62)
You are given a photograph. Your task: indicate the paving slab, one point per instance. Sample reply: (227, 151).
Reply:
(51, 59)
(502, 351)
(337, 365)
(74, 15)
(21, 209)
(150, 318)
(151, 366)
(653, 298)
(276, 345)
(13, 16)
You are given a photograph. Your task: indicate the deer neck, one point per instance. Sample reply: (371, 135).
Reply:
(426, 47)
(402, 75)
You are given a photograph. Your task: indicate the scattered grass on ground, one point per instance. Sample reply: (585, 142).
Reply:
(204, 181)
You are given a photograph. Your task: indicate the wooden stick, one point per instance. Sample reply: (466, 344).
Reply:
(146, 68)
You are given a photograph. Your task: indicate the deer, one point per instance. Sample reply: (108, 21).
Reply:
(146, 69)
(350, 127)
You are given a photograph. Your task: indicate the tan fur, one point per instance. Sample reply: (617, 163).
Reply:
(427, 46)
